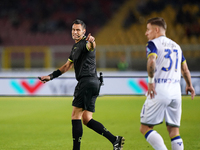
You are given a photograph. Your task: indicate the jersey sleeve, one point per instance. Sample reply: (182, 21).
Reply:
(183, 59)
(70, 57)
(151, 49)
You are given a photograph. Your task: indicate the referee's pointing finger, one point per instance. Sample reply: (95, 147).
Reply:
(88, 36)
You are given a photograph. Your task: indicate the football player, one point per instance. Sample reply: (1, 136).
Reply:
(165, 63)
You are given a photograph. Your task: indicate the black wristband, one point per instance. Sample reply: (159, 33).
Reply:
(55, 74)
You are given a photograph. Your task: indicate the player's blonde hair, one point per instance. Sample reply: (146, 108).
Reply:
(158, 21)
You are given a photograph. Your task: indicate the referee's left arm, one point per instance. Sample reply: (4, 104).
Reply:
(68, 65)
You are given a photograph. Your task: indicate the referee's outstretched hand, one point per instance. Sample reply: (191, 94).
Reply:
(90, 38)
(44, 79)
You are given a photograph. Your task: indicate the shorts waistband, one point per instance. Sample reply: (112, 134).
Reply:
(85, 78)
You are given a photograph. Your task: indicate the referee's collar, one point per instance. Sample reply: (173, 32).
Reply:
(84, 37)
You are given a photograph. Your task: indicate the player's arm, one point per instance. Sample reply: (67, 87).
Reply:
(151, 66)
(68, 65)
(91, 44)
(186, 75)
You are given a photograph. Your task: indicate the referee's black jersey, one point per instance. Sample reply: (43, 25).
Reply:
(83, 59)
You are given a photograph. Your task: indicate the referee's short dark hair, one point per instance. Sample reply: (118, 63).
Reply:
(78, 21)
(158, 21)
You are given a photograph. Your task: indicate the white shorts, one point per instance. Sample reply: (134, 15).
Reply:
(157, 109)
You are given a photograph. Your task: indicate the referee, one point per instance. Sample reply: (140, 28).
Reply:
(87, 89)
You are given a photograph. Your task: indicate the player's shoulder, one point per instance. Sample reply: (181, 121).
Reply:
(160, 39)
(169, 40)
(150, 43)
(155, 41)
(173, 43)
(166, 42)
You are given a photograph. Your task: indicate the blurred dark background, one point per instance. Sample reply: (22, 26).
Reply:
(48, 22)
(37, 33)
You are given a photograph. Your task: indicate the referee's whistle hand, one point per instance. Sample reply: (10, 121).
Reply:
(44, 79)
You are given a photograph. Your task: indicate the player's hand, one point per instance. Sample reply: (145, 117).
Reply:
(44, 79)
(90, 38)
(151, 90)
(191, 90)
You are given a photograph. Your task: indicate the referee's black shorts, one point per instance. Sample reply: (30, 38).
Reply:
(86, 92)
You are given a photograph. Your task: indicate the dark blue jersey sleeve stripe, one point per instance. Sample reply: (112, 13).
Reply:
(183, 58)
(150, 48)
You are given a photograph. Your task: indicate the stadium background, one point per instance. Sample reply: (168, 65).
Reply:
(35, 36)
